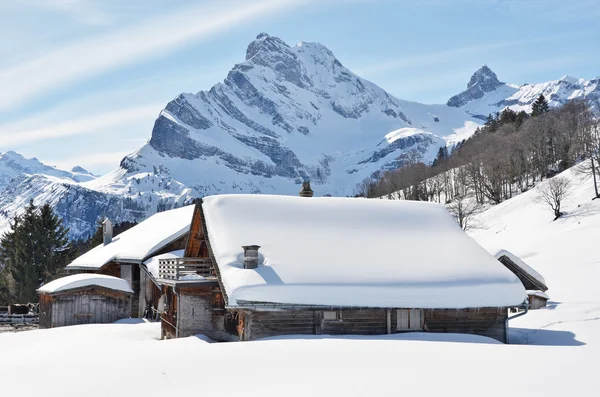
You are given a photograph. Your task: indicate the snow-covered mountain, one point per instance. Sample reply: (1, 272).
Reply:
(13, 165)
(287, 114)
(485, 94)
(283, 115)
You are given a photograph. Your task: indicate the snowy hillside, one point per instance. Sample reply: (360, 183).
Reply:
(13, 166)
(485, 94)
(554, 351)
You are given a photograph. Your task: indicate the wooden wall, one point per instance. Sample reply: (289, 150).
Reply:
(311, 322)
(536, 302)
(94, 305)
(111, 269)
(490, 322)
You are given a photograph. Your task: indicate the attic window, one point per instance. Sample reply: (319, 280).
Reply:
(331, 316)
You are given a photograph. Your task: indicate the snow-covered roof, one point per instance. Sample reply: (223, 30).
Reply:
(139, 242)
(524, 266)
(152, 263)
(352, 252)
(86, 280)
(539, 294)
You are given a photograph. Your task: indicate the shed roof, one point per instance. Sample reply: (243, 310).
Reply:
(530, 278)
(85, 280)
(349, 252)
(139, 242)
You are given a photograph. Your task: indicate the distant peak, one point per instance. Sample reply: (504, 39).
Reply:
(569, 79)
(483, 80)
(484, 77)
(80, 170)
(267, 43)
(13, 154)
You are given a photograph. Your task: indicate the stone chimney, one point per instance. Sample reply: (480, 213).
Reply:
(306, 190)
(107, 231)
(250, 256)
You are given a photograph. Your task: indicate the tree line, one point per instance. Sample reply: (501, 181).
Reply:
(36, 250)
(508, 155)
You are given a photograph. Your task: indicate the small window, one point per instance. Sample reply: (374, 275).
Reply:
(409, 320)
(331, 316)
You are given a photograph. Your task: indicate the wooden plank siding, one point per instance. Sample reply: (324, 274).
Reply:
(111, 269)
(490, 322)
(89, 305)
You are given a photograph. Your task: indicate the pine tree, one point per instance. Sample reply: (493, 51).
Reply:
(540, 106)
(34, 250)
(520, 119)
(507, 116)
(492, 122)
(55, 251)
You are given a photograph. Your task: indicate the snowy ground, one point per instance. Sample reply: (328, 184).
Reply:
(556, 350)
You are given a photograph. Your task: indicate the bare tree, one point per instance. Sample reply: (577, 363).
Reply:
(464, 210)
(553, 192)
(367, 188)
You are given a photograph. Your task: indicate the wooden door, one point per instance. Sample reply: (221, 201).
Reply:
(409, 320)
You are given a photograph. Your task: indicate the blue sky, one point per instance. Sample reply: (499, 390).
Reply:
(82, 81)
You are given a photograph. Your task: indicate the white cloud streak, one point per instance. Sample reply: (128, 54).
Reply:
(92, 160)
(84, 11)
(17, 134)
(150, 39)
(412, 61)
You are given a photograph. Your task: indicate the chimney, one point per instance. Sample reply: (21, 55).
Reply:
(107, 231)
(306, 190)
(250, 256)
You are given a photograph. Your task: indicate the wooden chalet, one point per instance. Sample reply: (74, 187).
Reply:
(256, 266)
(125, 255)
(532, 281)
(84, 299)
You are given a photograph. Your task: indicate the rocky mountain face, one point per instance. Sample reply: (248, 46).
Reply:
(482, 82)
(287, 114)
(485, 94)
(283, 115)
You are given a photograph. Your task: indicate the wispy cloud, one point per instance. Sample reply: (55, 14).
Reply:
(92, 160)
(21, 133)
(150, 39)
(84, 11)
(412, 61)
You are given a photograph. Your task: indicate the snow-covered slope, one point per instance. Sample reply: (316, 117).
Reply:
(284, 114)
(554, 351)
(13, 166)
(287, 114)
(485, 94)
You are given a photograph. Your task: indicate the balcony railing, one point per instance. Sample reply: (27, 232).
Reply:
(185, 268)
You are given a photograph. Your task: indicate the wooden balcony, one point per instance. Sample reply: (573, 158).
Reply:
(182, 269)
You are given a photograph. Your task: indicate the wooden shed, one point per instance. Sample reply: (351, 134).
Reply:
(84, 299)
(258, 266)
(532, 281)
(124, 256)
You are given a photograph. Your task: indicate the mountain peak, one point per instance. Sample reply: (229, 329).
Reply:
(485, 78)
(482, 81)
(12, 154)
(267, 43)
(80, 170)
(569, 79)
